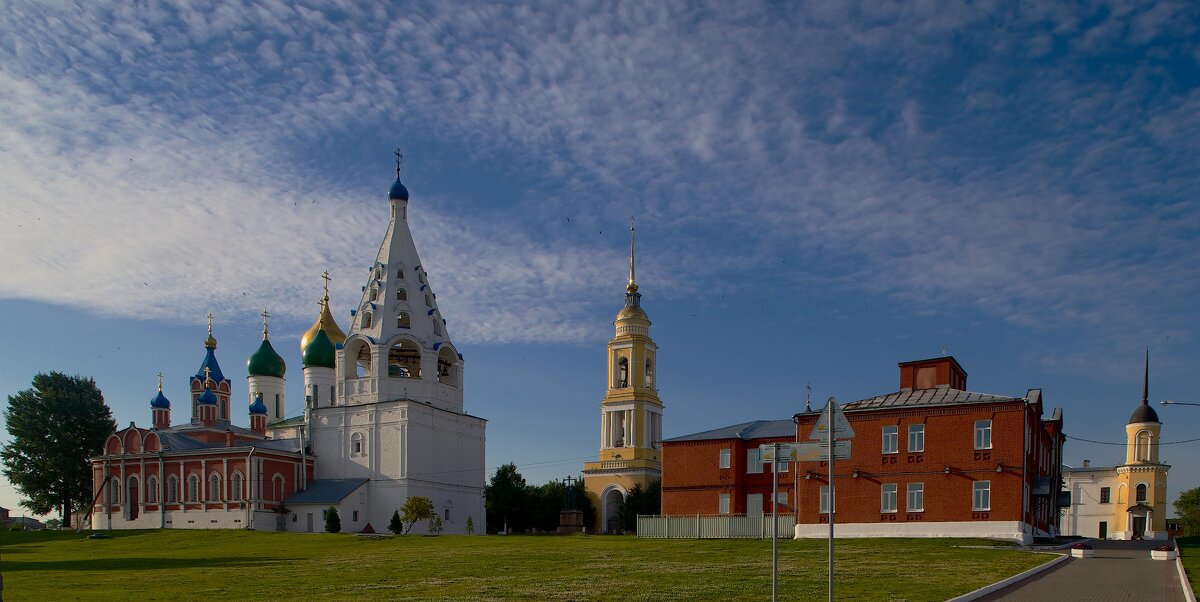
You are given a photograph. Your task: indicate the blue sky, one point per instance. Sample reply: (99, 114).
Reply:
(821, 190)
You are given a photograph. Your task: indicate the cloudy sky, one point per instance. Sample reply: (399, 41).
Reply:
(821, 190)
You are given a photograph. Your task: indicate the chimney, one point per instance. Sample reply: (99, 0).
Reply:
(935, 373)
(1087, 463)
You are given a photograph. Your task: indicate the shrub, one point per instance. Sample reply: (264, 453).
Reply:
(435, 525)
(333, 522)
(470, 526)
(396, 526)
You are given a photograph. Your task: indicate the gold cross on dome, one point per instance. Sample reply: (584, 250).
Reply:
(160, 377)
(326, 277)
(210, 319)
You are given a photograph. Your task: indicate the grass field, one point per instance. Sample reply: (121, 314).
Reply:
(1189, 550)
(241, 565)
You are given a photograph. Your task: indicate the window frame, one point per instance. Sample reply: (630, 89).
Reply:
(754, 463)
(724, 458)
(1106, 495)
(893, 435)
(723, 503)
(824, 500)
(984, 492)
(884, 495)
(983, 430)
(916, 432)
(917, 489)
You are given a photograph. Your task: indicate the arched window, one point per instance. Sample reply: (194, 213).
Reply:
(428, 300)
(421, 277)
(374, 296)
(404, 360)
(402, 320)
(1142, 446)
(235, 487)
(366, 319)
(622, 373)
(378, 273)
(193, 488)
(437, 327)
(401, 294)
(650, 372)
(359, 354)
(400, 273)
(277, 487)
(172, 493)
(151, 490)
(356, 444)
(1141, 493)
(214, 487)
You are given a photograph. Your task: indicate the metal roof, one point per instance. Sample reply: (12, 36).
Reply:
(325, 491)
(941, 396)
(757, 429)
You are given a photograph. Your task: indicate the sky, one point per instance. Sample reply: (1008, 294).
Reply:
(821, 190)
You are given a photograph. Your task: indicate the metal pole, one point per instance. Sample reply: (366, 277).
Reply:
(775, 524)
(832, 498)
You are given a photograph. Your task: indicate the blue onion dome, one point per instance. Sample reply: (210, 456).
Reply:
(320, 352)
(265, 362)
(207, 397)
(160, 401)
(1143, 413)
(258, 407)
(398, 191)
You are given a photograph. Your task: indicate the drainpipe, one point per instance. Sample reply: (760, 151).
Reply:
(249, 501)
(162, 490)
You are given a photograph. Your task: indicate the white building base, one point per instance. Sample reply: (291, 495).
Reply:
(1006, 530)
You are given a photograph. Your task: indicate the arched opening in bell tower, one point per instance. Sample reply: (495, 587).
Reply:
(404, 360)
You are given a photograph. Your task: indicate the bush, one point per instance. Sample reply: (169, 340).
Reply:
(470, 526)
(333, 522)
(435, 525)
(396, 526)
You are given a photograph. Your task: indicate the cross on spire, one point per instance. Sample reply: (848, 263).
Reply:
(160, 381)
(632, 273)
(207, 376)
(326, 277)
(210, 319)
(399, 158)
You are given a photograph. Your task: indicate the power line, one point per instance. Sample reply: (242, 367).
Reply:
(1126, 443)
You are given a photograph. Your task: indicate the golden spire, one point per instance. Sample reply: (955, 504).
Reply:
(210, 341)
(632, 287)
(324, 321)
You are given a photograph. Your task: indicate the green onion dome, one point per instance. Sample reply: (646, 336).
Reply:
(265, 362)
(320, 352)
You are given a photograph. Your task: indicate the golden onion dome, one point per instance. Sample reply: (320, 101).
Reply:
(335, 334)
(632, 312)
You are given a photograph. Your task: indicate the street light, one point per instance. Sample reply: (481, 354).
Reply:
(1169, 402)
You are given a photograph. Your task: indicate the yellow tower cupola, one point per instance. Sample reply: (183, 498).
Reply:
(1142, 479)
(630, 413)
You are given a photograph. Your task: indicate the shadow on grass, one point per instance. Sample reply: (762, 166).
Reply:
(136, 564)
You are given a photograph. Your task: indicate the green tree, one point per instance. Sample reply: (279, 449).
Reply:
(396, 526)
(641, 500)
(470, 525)
(333, 522)
(416, 508)
(435, 524)
(54, 428)
(1188, 509)
(506, 498)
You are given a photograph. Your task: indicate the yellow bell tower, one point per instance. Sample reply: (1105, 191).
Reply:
(630, 414)
(1142, 479)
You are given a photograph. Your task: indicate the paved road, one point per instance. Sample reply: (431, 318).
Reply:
(1120, 570)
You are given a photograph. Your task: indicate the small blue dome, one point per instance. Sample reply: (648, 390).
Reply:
(207, 397)
(398, 191)
(258, 407)
(160, 402)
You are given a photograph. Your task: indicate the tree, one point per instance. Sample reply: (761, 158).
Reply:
(647, 500)
(470, 525)
(416, 508)
(505, 499)
(54, 428)
(1188, 509)
(333, 522)
(435, 524)
(396, 526)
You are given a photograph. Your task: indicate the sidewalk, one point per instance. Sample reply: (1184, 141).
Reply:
(1120, 570)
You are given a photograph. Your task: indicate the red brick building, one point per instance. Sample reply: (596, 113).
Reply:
(929, 460)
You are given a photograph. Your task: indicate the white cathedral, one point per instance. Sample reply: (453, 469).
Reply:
(383, 420)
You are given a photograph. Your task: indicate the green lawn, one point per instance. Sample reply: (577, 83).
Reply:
(241, 565)
(1189, 550)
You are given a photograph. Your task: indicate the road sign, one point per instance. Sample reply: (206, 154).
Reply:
(841, 426)
(811, 451)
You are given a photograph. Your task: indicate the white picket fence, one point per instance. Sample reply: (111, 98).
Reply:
(721, 526)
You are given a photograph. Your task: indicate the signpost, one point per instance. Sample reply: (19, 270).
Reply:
(823, 448)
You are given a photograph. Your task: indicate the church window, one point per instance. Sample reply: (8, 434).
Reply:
(374, 296)
(378, 273)
(362, 362)
(1105, 495)
(622, 373)
(235, 487)
(1142, 449)
(404, 360)
(114, 490)
(400, 273)
(277, 487)
(366, 319)
(172, 492)
(1141, 493)
(401, 294)
(402, 320)
(214, 487)
(356, 444)
(354, 516)
(437, 327)
(650, 373)
(151, 490)
(193, 488)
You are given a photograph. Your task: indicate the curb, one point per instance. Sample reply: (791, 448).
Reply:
(999, 585)
(1184, 583)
